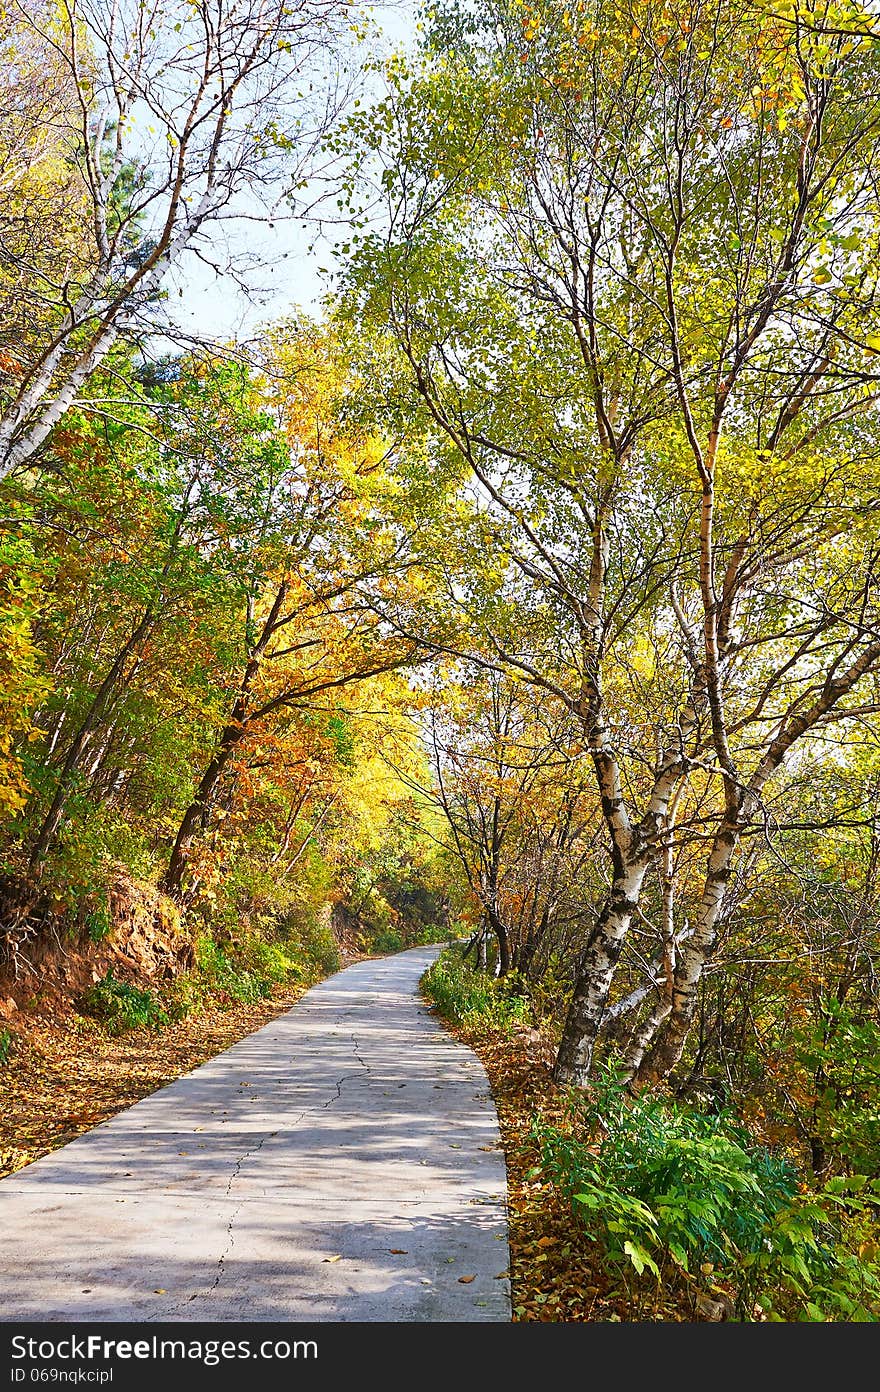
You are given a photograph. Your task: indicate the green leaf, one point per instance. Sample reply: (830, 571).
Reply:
(640, 1258)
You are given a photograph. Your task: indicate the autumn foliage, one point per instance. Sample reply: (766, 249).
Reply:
(531, 594)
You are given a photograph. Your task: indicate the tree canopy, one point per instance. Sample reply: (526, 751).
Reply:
(529, 592)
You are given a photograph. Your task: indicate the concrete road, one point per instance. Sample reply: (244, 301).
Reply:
(343, 1163)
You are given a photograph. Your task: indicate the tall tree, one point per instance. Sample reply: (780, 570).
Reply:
(630, 267)
(187, 467)
(520, 814)
(306, 628)
(157, 118)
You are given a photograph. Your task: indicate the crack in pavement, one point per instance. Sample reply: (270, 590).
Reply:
(255, 1150)
(230, 1236)
(338, 1086)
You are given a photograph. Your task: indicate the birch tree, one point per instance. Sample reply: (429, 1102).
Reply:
(630, 268)
(164, 118)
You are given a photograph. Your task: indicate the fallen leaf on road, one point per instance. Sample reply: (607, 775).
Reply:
(466, 1280)
(332, 1259)
(160, 1290)
(398, 1251)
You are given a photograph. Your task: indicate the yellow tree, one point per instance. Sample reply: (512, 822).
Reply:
(308, 628)
(630, 265)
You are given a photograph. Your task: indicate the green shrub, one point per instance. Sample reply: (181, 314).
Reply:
(98, 922)
(271, 962)
(467, 996)
(431, 933)
(387, 940)
(840, 1049)
(819, 1257)
(313, 941)
(222, 974)
(96, 843)
(185, 995)
(246, 970)
(671, 1191)
(120, 1006)
(6, 1042)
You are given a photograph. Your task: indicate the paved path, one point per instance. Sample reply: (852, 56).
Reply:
(342, 1163)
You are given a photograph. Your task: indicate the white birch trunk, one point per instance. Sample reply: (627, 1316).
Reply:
(584, 1020)
(668, 1044)
(14, 453)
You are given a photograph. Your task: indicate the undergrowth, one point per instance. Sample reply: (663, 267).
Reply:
(468, 996)
(676, 1197)
(121, 1006)
(686, 1210)
(244, 971)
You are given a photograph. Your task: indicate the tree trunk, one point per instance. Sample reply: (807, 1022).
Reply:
(669, 1042)
(525, 957)
(46, 406)
(584, 1020)
(234, 731)
(196, 814)
(482, 956)
(644, 1036)
(502, 961)
(80, 743)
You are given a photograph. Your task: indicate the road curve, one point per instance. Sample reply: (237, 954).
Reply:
(342, 1163)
